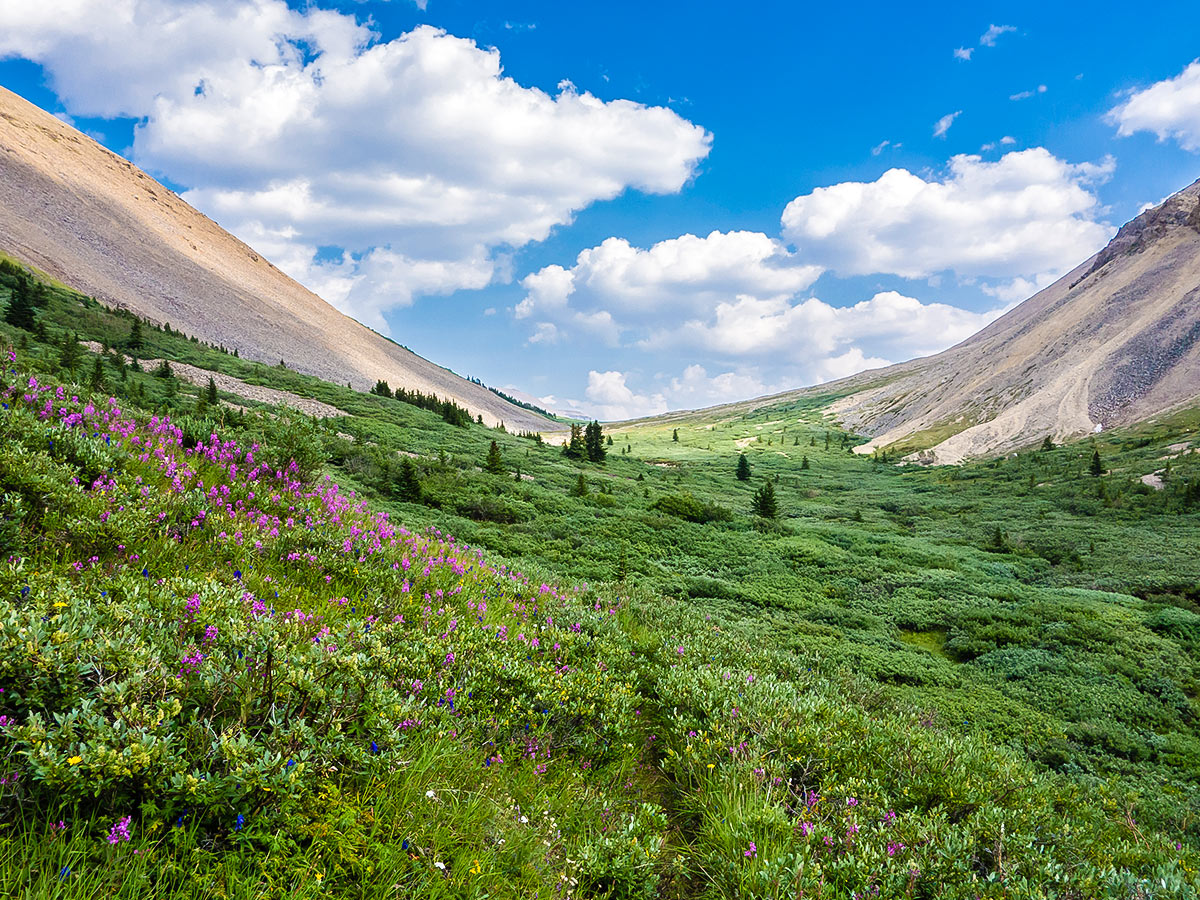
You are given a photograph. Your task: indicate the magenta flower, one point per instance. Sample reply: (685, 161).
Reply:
(752, 851)
(120, 831)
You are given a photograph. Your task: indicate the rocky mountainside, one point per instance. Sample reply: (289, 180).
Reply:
(1113, 342)
(95, 221)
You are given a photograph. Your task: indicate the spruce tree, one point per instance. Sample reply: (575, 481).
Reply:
(580, 489)
(804, 463)
(97, 382)
(743, 468)
(407, 484)
(764, 503)
(1097, 467)
(576, 448)
(135, 339)
(20, 311)
(69, 356)
(1047, 444)
(593, 439)
(495, 462)
(210, 393)
(675, 435)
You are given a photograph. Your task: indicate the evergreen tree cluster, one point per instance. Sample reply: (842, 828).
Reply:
(586, 442)
(449, 410)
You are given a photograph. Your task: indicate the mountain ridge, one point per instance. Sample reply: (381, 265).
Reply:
(92, 219)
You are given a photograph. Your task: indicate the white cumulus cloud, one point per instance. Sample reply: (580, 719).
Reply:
(1169, 109)
(1025, 215)
(672, 279)
(418, 155)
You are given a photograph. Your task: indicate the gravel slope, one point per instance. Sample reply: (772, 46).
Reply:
(95, 221)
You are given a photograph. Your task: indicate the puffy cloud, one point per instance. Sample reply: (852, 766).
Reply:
(816, 336)
(609, 398)
(1168, 109)
(942, 125)
(964, 53)
(673, 278)
(1027, 214)
(417, 155)
(989, 37)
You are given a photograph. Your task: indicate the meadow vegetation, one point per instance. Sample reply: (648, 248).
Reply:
(246, 653)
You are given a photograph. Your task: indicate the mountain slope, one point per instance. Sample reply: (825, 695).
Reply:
(93, 219)
(1115, 341)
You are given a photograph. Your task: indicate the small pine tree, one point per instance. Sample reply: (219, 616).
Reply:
(608, 441)
(97, 380)
(407, 484)
(580, 489)
(210, 392)
(804, 463)
(1097, 467)
(593, 439)
(381, 389)
(796, 442)
(69, 356)
(21, 312)
(813, 441)
(764, 503)
(163, 370)
(576, 448)
(1047, 444)
(675, 435)
(827, 440)
(495, 462)
(743, 468)
(135, 339)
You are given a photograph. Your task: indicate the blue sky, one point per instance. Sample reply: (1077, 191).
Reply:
(625, 208)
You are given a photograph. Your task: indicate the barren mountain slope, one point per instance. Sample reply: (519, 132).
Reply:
(95, 221)
(1113, 342)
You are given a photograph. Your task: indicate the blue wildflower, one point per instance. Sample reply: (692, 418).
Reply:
(374, 747)
(64, 873)
(241, 820)
(404, 844)
(237, 573)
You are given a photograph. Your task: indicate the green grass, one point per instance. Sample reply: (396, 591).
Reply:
(925, 640)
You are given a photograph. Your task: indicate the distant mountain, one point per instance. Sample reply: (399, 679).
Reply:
(1115, 341)
(97, 222)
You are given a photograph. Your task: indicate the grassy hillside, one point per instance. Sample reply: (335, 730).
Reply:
(242, 655)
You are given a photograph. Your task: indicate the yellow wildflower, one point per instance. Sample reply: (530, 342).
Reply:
(75, 760)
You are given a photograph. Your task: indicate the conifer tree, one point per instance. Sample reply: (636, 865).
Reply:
(580, 489)
(804, 463)
(407, 484)
(743, 468)
(69, 356)
(210, 392)
(1097, 467)
(97, 382)
(495, 462)
(20, 311)
(675, 435)
(576, 448)
(593, 439)
(135, 339)
(764, 503)
(1047, 444)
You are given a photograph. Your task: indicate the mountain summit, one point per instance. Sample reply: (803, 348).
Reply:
(1115, 341)
(97, 222)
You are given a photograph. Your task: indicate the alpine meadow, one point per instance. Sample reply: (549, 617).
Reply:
(289, 611)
